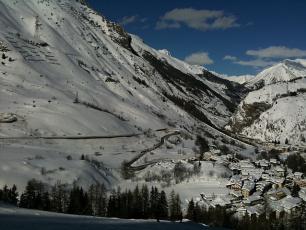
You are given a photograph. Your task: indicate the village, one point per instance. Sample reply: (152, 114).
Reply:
(258, 187)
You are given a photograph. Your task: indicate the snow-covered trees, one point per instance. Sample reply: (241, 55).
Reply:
(139, 203)
(9, 195)
(175, 206)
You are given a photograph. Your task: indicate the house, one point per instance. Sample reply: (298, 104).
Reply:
(248, 188)
(235, 183)
(246, 164)
(288, 205)
(263, 186)
(265, 176)
(264, 164)
(291, 204)
(273, 162)
(237, 195)
(279, 171)
(278, 194)
(255, 210)
(235, 168)
(277, 182)
(253, 200)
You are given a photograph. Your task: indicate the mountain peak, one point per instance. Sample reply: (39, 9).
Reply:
(281, 72)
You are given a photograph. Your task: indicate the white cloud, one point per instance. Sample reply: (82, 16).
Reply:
(132, 19)
(267, 56)
(277, 52)
(167, 25)
(230, 58)
(255, 63)
(128, 20)
(199, 58)
(197, 19)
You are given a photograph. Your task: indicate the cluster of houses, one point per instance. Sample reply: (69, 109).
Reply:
(258, 186)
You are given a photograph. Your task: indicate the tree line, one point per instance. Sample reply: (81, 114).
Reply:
(139, 203)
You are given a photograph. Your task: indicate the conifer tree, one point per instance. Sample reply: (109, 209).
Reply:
(163, 206)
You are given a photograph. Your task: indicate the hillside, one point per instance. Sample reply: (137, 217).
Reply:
(275, 112)
(79, 96)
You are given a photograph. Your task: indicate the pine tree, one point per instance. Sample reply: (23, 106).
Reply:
(59, 198)
(190, 210)
(137, 204)
(163, 206)
(97, 199)
(175, 206)
(31, 198)
(154, 202)
(145, 202)
(13, 195)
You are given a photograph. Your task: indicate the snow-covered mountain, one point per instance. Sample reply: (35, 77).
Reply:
(241, 79)
(68, 72)
(275, 112)
(58, 49)
(285, 71)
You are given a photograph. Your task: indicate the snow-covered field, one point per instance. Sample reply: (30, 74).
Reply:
(17, 219)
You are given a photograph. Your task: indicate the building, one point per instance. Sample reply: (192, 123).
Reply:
(248, 188)
(255, 210)
(279, 171)
(253, 200)
(263, 186)
(288, 204)
(235, 183)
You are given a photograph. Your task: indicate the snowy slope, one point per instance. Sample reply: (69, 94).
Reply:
(64, 48)
(66, 71)
(284, 71)
(241, 79)
(275, 112)
(14, 219)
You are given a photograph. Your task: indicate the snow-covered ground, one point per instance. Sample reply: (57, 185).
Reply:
(15, 219)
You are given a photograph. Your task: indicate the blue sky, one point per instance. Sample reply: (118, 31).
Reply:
(229, 36)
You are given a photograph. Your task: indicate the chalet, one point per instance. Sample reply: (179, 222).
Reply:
(274, 162)
(264, 164)
(248, 188)
(263, 186)
(235, 183)
(279, 171)
(253, 200)
(277, 182)
(255, 210)
(288, 205)
(278, 194)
